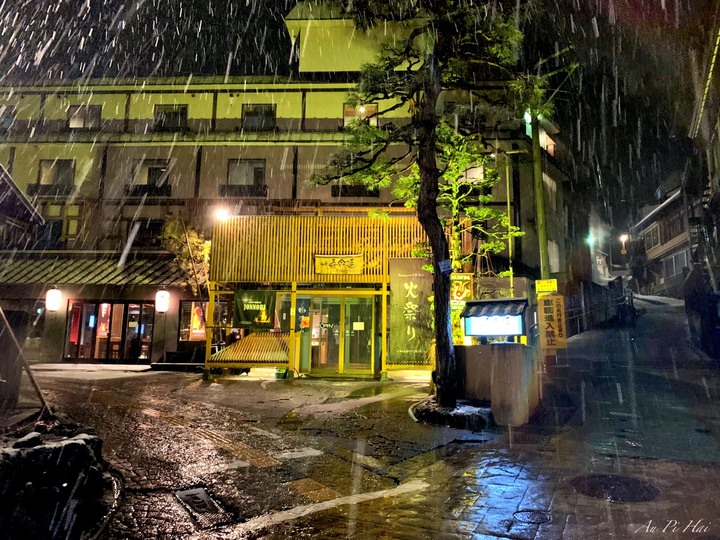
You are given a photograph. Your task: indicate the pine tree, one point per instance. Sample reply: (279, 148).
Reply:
(438, 46)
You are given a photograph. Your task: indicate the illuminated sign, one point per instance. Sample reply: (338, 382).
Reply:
(495, 325)
(338, 264)
(493, 318)
(544, 286)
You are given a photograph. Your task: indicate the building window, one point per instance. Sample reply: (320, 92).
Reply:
(7, 117)
(246, 178)
(55, 178)
(652, 238)
(554, 256)
(344, 190)
(258, 117)
(58, 172)
(171, 117)
(675, 264)
(673, 227)
(367, 112)
(192, 323)
(110, 331)
(151, 177)
(146, 233)
(551, 190)
(84, 116)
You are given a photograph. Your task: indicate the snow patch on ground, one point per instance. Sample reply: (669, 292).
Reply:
(467, 410)
(660, 299)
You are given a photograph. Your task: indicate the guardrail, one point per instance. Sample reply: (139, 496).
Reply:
(576, 318)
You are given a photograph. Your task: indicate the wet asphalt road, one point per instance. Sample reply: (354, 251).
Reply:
(322, 459)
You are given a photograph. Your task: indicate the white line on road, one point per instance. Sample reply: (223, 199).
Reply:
(707, 390)
(630, 415)
(298, 453)
(619, 392)
(276, 518)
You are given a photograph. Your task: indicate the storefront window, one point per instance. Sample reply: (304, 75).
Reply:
(101, 330)
(192, 324)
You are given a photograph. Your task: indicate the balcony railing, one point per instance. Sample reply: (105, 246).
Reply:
(151, 190)
(353, 191)
(50, 190)
(243, 191)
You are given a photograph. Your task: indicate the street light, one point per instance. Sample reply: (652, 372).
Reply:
(624, 238)
(221, 214)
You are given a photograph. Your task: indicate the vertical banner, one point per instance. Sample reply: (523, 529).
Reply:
(410, 313)
(552, 321)
(461, 290)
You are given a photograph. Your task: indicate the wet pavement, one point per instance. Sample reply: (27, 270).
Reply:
(628, 446)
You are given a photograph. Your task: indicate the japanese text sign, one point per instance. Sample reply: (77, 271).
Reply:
(551, 321)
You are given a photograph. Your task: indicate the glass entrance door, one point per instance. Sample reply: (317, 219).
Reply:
(342, 334)
(358, 346)
(326, 334)
(82, 321)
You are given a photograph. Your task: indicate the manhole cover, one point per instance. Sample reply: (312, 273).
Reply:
(613, 488)
(534, 517)
(203, 509)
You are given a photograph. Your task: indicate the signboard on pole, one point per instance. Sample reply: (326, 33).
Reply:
(545, 286)
(551, 317)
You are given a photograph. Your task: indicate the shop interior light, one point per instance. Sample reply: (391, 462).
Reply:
(53, 298)
(162, 301)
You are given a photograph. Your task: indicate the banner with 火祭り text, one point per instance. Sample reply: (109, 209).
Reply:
(411, 332)
(551, 321)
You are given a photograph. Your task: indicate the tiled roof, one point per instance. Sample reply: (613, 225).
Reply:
(58, 270)
(488, 308)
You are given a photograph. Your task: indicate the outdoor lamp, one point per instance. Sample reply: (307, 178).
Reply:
(162, 301)
(53, 299)
(221, 214)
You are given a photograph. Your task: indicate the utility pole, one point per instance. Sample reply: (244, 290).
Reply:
(540, 220)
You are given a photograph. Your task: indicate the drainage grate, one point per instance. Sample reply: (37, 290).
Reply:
(613, 488)
(533, 517)
(203, 509)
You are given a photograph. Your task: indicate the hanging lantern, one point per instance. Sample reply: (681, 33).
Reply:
(53, 298)
(162, 301)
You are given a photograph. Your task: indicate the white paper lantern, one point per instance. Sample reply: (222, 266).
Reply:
(162, 301)
(53, 298)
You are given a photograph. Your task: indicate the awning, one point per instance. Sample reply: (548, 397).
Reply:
(258, 348)
(488, 308)
(100, 270)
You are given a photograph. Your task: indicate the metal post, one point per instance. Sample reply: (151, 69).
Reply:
(538, 184)
(384, 308)
(209, 328)
(293, 357)
(26, 367)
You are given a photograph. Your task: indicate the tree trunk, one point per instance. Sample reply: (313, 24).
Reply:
(426, 120)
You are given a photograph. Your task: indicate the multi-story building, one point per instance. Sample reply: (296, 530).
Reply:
(107, 161)
(664, 257)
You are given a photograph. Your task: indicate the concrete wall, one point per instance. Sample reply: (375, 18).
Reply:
(505, 374)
